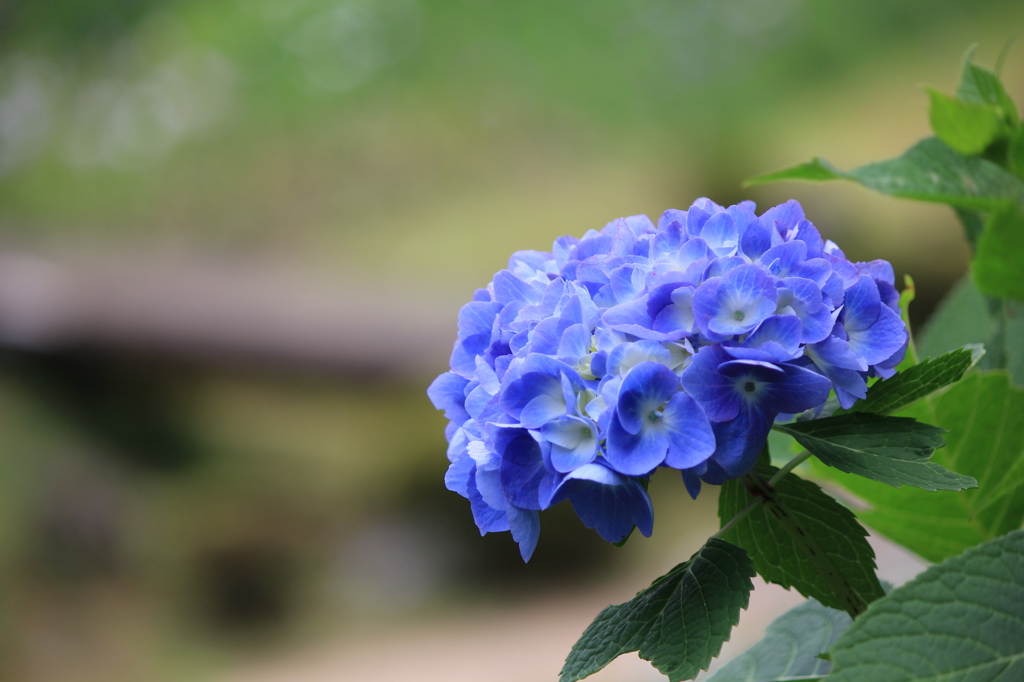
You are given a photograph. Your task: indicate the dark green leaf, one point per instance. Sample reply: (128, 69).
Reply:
(967, 127)
(678, 623)
(801, 537)
(979, 85)
(961, 319)
(985, 440)
(893, 450)
(915, 382)
(999, 261)
(962, 620)
(791, 647)
(928, 171)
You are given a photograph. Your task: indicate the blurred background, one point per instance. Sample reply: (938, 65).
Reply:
(234, 237)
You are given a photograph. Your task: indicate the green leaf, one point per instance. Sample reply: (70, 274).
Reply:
(979, 85)
(962, 620)
(967, 127)
(999, 260)
(791, 647)
(801, 537)
(1016, 153)
(985, 440)
(961, 319)
(678, 623)
(928, 171)
(913, 383)
(893, 450)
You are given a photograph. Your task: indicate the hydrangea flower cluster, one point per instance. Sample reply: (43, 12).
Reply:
(578, 372)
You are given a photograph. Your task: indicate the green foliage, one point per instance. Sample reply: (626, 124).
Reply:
(790, 648)
(961, 319)
(678, 623)
(979, 85)
(1016, 153)
(916, 381)
(986, 441)
(999, 260)
(928, 171)
(966, 127)
(961, 620)
(801, 537)
(893, 450)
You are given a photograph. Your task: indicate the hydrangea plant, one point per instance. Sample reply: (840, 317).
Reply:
(579, 372)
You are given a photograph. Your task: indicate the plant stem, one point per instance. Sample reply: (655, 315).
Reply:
(790, 465)
(739, 515)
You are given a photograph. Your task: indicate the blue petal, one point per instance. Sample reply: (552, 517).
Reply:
(447, 392)
(744, 298)
(721, 234)
(692, 440)
(691, 479)
(635, 454)
(879, 342)
(573, 442)
(459, 473)
(525, 527)
(861, 305)
(644, 389)
(522, 467)
(739, 444)
(611, 508)
(715, 392)
(487, 518)
(802, 390)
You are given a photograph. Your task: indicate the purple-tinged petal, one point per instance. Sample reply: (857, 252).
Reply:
(739, 444)
(487, 518)
(808, 234)
(755, 241)
(691, 479)
(721, 234)
(802, 390)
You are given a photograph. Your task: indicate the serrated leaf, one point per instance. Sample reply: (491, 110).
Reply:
(800, 537)
(967, 127)
(999, 260)
(791, 647)
(985, 440)
(893, 450)
(678, 623)
(928, 171)
(913, 383)
(962, 318)
(979, 85)
(961, 620)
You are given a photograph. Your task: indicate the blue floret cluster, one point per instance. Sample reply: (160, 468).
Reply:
(578, 372)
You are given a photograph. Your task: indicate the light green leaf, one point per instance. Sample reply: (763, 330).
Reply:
(985, 440)
(962, 318)
(967, 127)
(962, 620)
(790, 648)
(979, 85)
(678, 623)
(893, 450)
(928, 171)
(800, 537)
(999, 260)
(913, 383)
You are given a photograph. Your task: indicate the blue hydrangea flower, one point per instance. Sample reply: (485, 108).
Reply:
(580, 371)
